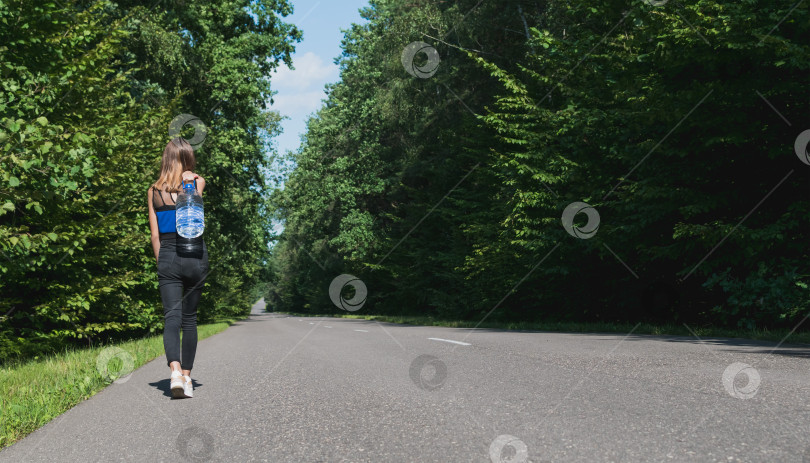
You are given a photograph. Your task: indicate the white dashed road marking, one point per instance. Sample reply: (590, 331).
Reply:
(451, 341)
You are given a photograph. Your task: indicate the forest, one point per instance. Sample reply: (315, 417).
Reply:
(518, 160)
(90, 93)
(585, 161)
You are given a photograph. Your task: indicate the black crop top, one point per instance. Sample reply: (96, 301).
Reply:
(165, 213)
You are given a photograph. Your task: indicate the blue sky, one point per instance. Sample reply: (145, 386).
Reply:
(300, 90)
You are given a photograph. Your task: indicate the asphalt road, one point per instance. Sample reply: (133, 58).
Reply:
(289, 389)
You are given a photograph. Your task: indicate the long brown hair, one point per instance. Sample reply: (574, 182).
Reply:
(178, 157)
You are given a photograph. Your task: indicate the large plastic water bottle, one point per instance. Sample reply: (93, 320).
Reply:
(189, 212)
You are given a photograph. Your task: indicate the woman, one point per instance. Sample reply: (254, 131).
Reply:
(182, 263)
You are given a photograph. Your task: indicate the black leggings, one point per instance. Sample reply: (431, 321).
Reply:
(177, 273)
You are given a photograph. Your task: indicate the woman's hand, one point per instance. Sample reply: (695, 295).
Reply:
(189, 175)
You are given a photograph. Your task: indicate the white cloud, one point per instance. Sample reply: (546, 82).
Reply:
(297, 104)
(310, 71)
(299, 93)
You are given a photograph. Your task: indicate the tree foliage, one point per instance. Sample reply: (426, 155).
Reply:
(444, 194)
(88, 92)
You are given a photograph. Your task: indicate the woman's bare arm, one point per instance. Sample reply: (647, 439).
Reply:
(153, 225)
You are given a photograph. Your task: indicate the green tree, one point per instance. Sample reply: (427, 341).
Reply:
(83, 127)
(654, 115)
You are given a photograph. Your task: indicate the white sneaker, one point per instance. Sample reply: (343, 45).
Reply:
(177, 384)
(188, 388)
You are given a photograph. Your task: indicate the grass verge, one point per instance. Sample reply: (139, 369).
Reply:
(802, 337)
(34, 392)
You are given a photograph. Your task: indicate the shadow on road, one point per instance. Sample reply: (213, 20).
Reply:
(736, 345)
(163, 385)
(740, 345)
(256, 317)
